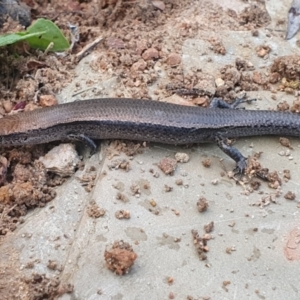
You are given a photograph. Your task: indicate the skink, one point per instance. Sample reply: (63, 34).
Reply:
(144, 120)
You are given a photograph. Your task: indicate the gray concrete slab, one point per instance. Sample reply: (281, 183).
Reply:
(257, 266)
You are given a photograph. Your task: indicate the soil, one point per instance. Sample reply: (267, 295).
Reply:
(141, 38)
(120, 258)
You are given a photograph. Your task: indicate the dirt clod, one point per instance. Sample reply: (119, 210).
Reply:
(263, 50)
(122, 214)
(151, 53)
(41, 287)
(285, 142)
(173, 59)
(202, 204)
(201, 244)
(290, 196)
(206, 163)
(209, 227)
(182, 157)
(283, 106)
(287, 67)
(120, 257)
(168, 165)
(255, 15)
(94, 211)
(296, 106)
(287, 175)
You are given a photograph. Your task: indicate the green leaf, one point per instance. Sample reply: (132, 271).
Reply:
(12, 38)
(39, 35)
(51, 33)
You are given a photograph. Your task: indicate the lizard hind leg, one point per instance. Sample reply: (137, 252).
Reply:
(234, 153)
(83, 139)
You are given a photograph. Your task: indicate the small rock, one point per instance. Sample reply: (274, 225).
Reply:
(153, 202)
(202, 204)
(120, 257)
(290, 196)
(274, 77)
(115, 43)
(20, 173)
(200, 101)
(8, 106)
(159, 4)
(31, 106)
(182, 157)
(206, 85)
(140, 65)
(250, 65)
(285, 142)
(3, 169)
(150, 53)
(122, 214)
(141, 46)
(168, 165)
(174, 59)
(61, 160)
(258, 78)
(215, 181)
(232, 76)
(48, 100)
(263, 50)
(219, 82)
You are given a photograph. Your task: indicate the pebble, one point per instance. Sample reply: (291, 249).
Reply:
(48, 100)
(219, 82)
(159, 4)
(168, 165)
(182, 157)
(173, 59)
(215, 181)
(250, 64)
(150, 53)
(140, 65)
(61, 160)
(7, 105)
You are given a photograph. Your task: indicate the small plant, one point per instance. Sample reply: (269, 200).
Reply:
(42, 34)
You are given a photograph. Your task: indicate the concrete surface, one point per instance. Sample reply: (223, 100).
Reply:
(257, 269)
